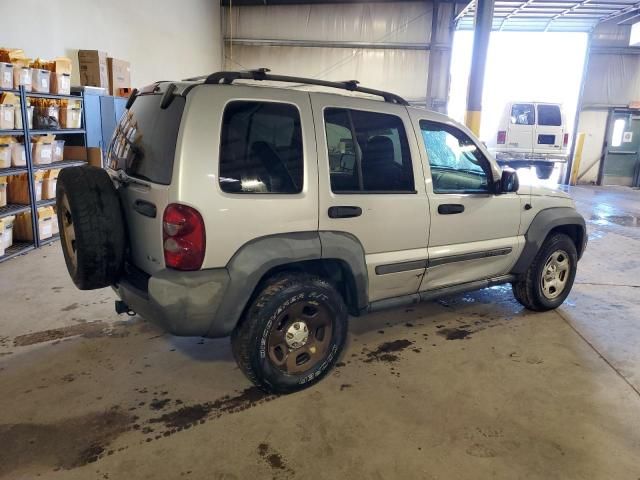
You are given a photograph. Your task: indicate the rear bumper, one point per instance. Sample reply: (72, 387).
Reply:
(183, 303)
(530, 158)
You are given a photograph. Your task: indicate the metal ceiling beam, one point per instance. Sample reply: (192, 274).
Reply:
(620, 13)
(564, 12)
(515, 12)
(464, 11)
(632, 17)
(332, 44)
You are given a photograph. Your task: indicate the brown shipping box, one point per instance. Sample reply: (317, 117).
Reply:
(92, 155)
(119, 75)
(93, 68)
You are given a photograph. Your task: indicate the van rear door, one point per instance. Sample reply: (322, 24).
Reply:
(141, 158)
(549, 129)
(521, 127)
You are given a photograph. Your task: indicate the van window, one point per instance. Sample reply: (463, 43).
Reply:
(457, 165)
(367, 152)
(522, 114)
(144, 142)
(549, 115)
(261, 148)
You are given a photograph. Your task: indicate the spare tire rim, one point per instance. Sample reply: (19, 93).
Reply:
(300, 337)
(555, 274)
(69, 232)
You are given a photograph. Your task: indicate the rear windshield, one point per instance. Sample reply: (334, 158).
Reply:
(522, 114)
(549, 115)
(144, 143)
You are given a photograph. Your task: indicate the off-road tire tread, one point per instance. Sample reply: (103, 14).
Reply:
(243, 336)
(98, 224)
(524, 289)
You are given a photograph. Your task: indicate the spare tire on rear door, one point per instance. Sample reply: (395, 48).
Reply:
(91, 225)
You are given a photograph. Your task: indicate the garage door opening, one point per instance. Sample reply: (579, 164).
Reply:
(521, 66)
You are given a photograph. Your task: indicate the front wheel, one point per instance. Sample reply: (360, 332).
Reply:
(549, 279)
(292, 334)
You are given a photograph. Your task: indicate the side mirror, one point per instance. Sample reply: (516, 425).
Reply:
(509, 181)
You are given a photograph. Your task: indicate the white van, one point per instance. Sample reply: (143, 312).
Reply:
(531, 133)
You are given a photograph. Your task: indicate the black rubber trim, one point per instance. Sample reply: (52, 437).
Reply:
(400, 267)
(469, 256)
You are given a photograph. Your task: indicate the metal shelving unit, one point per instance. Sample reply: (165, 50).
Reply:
(20, 247)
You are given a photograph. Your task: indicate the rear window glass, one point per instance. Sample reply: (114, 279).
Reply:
(144, 143)
(522, 114)
(549, 115)
(261, 148)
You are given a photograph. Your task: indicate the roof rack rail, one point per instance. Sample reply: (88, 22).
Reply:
(228, 78)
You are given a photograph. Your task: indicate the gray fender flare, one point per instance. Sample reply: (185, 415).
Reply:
(257, 257)
(545, 221)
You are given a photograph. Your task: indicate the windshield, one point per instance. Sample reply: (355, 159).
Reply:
(144, 143)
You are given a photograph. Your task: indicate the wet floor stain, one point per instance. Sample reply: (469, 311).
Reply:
(455, 333)
(387, 351)
(190, 415)
(274, 460)
(67, 444)
(87, 329)
(622, 220)
(159, 404)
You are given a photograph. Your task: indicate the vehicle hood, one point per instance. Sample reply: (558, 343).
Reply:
(537, 188)
(546, 191)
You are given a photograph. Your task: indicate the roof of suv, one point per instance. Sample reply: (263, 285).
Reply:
(262, 79)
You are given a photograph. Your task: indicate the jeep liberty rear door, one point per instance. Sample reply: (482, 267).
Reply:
(371, 186)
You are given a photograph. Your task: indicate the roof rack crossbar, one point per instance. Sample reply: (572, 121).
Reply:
(227, 78)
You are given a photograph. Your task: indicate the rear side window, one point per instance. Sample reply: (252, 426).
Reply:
(522, 114)
(261, 148)
(368, 152)
(549, 115)
(144, 143)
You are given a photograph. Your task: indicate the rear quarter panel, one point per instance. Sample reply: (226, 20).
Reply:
(231, 220)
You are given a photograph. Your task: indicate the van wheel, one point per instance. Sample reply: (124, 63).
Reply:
(544, 171)
(292, 334)
(549, 279)
(91, 226)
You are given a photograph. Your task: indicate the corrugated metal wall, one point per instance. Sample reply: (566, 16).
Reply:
(612, 80)
(396, 38)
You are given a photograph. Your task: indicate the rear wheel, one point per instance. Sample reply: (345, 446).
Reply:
(549, 279)
(91, 226)
(544, 171)
(292, 333)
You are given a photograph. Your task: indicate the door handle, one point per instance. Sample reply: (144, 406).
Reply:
(450, 208)
(344, 212)
(145, 208)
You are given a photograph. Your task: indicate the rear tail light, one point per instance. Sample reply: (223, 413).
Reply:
(183, 237)
(502, 137)
(565, 140)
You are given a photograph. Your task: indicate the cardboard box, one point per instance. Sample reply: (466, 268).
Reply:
(92, 155)
(119, 75)
(18, 188)
(93, 68)
(22, 226)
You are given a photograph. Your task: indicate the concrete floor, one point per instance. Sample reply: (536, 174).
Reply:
(479, 387)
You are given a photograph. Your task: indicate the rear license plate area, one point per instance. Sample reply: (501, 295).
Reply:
(546, 139)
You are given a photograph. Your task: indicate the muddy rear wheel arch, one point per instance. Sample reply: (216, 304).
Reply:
(337, 257)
